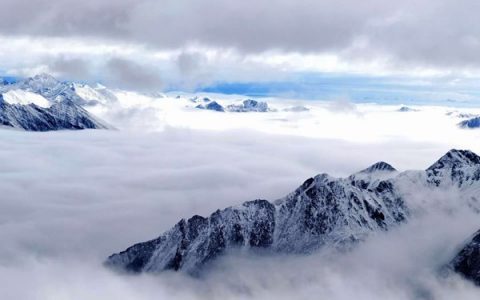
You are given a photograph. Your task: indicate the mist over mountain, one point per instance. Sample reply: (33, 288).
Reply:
(168, 150)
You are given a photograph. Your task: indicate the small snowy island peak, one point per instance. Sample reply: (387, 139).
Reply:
(323, 212)
(470, 123)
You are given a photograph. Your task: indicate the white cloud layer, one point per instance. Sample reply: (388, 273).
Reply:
(70, 199)
(338, 119)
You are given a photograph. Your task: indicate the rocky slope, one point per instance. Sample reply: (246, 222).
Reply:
(323, 211)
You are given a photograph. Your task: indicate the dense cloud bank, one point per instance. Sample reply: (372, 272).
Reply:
(415, 48)
(352, 29)
(69, 199)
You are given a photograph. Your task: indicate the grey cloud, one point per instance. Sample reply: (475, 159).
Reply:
(71, 68)
(343, 105)
(425, 32)
(129, 74)
(189, 63)
(194, 70)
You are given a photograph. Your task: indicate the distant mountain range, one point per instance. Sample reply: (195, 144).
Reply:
(322, 212)
(42, 103)
(36, 104)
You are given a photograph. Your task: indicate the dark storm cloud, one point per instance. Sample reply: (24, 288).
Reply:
(426, 32)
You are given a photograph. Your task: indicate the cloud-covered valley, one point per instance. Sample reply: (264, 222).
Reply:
(225, 149)
(70, 199)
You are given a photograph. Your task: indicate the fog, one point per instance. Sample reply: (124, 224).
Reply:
(70, 199)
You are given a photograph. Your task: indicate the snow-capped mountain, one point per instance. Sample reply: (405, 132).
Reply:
(470, 123)
(323, 212)
(43, 103)
(48, 87)
(61, 115)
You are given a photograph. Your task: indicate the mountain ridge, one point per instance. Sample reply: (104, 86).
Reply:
(323, 211)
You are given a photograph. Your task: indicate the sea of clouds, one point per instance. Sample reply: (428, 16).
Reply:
(71, 198)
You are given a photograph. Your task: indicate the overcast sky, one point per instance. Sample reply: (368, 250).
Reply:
(185, 43)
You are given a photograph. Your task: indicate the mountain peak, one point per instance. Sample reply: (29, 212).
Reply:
(459, 166)
(456, 158)
(379, 166)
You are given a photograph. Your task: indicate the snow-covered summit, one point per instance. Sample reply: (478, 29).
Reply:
(379, 166)
(459, 167)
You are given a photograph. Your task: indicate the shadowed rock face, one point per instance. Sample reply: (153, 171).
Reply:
(467, 261)
(322, 212)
